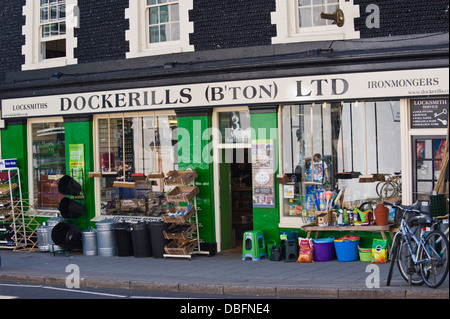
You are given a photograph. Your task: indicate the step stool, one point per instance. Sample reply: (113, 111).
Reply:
(291, 250)
(253, 245)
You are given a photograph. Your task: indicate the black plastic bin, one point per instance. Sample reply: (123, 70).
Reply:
(157, 238)
(67, 235)
(140, 237)
(124, 244)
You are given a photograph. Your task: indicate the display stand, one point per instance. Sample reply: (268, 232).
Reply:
(12, 222)
(183, 232)
(26, 225)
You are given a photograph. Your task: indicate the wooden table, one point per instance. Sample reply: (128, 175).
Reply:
(374, 228)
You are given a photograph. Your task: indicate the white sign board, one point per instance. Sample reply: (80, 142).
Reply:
(393, 84)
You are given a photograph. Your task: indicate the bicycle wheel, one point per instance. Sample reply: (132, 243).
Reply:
(393, 256)
(435, 269)
(379, 187)
(406, 264)
(388, 190)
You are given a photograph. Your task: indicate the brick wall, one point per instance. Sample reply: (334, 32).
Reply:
(101, 35)
(222, 24)
(11, 39)
(218, 24)
(404, 17)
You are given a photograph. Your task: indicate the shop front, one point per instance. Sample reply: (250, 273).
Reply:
(266, 151)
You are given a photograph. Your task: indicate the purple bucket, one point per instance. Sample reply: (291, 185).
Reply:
(324, 249)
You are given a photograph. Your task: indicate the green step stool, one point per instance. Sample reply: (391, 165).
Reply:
(253, 245)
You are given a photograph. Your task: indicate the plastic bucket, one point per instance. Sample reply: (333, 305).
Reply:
(68, 186)
(365, 254)
(324, 249)
(157, 238)
(347, 248)
(124, 246)
(65, 234)
(141, 240)
(70, 208)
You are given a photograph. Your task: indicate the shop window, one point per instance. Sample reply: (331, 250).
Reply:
(322, 141)
(158, 27)
(301, 21)
(48, 163)
(49, 36)
(427, 165)
(135, 146)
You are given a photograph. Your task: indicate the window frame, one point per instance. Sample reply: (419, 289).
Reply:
(96, 147)
(138, 34)
(286, 20)
(42, 212)
(34, 41)
(287, 221)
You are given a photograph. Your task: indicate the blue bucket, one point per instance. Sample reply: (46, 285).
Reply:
(323, 249)
(347, 248)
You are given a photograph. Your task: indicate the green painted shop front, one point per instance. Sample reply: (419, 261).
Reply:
(294, 131)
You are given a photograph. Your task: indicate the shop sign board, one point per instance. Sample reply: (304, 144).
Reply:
(263, 168)
(429, 113)
(8, 164)
(334, 87)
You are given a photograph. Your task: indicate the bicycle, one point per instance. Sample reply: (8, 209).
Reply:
(390, 187)
(420, 260)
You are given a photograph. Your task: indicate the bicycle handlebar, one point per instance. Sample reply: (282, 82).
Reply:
(404, 209)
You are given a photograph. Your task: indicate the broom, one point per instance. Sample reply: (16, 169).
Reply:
(343, 174)
(366, 178)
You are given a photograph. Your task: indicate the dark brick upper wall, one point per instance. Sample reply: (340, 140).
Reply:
(218, 24)
(101, 35)
(11, 39)
(404, 17)
(222, 24)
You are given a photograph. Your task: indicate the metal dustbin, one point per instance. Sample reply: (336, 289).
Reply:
(140, 237)
(106, 245)
(124, 244)
(89, 237)
(157, 238)
(44, 237)
(52, 222)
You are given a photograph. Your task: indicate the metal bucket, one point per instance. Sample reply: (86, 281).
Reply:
(106, 244)
(89, 238)
(52, 222)
(44, 237)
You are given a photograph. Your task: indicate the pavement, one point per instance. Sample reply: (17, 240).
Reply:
(220, 275)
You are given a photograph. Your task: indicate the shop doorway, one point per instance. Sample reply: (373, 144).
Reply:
(232, 177)
(235, 198)
(428, 152)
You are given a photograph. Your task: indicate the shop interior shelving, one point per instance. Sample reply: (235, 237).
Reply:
(183, 232)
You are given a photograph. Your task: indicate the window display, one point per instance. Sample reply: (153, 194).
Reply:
(49, 163)
(326, 147)
(137, 149)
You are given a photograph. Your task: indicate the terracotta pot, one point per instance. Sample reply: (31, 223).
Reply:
(381, 215)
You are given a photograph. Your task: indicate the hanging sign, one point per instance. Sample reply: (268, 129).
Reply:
(8, 164)
(76, 162)
(429, 113)
(263, 168)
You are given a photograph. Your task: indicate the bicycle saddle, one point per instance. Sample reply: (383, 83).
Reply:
(421, 220)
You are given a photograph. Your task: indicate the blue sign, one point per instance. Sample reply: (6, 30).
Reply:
(8, 163)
